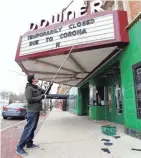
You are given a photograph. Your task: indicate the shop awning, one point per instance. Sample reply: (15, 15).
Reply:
(95, 38)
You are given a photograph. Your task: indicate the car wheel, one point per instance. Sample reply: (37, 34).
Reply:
(4, 117)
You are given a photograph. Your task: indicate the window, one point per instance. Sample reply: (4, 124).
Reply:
(96, 95)
(16, 105)
(110, 99)
(72, 101)
(92, 98)
(100, 90)
(108, 5)
(120, 5)
(118, 98)
(112, 5)
(137, 83)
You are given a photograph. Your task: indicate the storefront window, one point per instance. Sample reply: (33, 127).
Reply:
(92, 97)
(118, 98)
(110, 99)
(137, 83)
(72, 101)
(96, 95)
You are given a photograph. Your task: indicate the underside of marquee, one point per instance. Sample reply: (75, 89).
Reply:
(76, 67)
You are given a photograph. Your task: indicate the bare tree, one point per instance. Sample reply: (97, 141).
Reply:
(21, 98)
(12, 96)
(4, 94)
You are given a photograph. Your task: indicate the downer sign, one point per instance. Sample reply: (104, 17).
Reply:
(95, 6)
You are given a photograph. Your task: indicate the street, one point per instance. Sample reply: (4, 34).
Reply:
(11, 130)
(9, 122)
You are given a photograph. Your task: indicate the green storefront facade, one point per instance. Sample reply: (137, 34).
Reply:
(113, 93)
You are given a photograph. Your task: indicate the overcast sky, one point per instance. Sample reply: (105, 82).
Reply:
(16, 16)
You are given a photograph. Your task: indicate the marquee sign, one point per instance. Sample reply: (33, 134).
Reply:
(95, 38)
(95, 29)
(94, 6)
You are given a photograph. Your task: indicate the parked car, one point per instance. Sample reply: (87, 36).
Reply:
(14, 110)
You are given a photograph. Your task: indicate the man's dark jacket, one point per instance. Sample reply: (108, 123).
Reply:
(34, 96)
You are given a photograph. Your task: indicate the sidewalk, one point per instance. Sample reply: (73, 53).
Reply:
(10, 137)
(64, 135)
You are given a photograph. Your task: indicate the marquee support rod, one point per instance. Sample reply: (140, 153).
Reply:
(60, 68)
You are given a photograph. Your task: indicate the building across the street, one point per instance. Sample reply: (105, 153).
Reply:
(64, 90)
(104, 64)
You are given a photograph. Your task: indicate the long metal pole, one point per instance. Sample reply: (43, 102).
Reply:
(67, 54)
(60, 66)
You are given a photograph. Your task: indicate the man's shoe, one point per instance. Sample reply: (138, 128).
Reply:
(21, 152)
(33, 146)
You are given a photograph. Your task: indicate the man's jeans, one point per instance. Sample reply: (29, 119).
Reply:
(28, 133)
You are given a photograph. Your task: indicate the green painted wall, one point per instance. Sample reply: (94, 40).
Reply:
(104, 113)
(130, 56)
(97, 112)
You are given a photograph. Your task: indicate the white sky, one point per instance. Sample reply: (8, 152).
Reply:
(15, 17)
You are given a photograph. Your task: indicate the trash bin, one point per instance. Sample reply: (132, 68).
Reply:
(109, 130)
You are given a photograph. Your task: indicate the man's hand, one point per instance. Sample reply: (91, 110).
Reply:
(51, 83)
(43, 96)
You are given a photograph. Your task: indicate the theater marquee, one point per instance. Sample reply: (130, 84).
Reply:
(85, 31)
(96, 38)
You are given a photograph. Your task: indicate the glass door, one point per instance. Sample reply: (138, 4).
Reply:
(109, 99)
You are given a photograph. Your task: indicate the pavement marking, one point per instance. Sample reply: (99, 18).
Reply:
(16, 124)
(11, 126)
